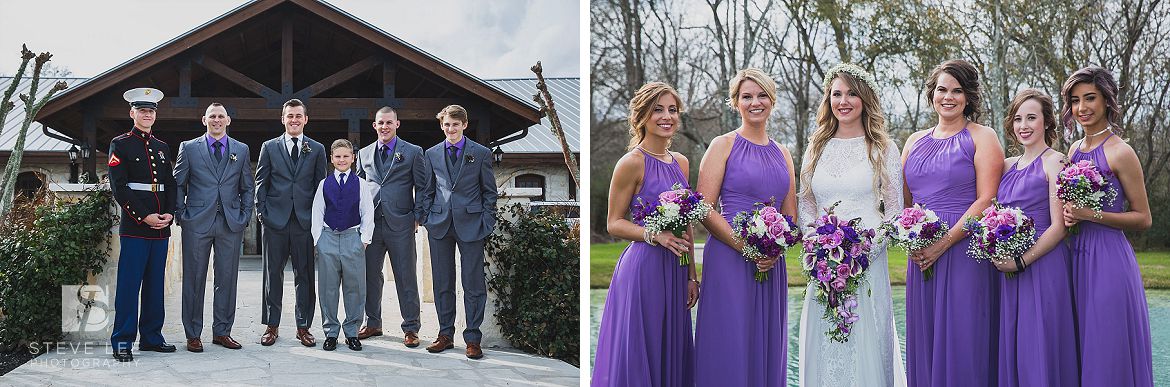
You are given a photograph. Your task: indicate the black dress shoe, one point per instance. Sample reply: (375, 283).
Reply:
(353, 343)
(164, 347)
(330, 344)
(123, 355)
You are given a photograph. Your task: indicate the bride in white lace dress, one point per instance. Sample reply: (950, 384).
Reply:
(851, 159)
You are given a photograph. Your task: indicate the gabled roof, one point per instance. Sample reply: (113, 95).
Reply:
(35, 140)
(565, 91)
(566, 94)
(241, 14)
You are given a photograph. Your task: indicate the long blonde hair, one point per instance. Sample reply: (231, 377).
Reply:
(642, 105)
(872, 120)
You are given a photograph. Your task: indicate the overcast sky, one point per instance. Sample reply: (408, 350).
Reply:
(491, 39)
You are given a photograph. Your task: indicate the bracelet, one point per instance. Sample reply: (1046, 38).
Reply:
(1020, 264)
(1097, 214)
(696, 281)
(648, 237)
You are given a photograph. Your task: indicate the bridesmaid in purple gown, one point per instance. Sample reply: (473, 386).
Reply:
(1113, 320)
(741, 336)
(954, 170)
(645, 333)
(1037, 337)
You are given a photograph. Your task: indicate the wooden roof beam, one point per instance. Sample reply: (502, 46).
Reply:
(337, 78)
(236, 77)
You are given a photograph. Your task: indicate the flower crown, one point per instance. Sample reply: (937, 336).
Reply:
(854, 70)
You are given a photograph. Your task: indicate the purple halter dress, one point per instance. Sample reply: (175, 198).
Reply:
(741, 333)
(1037, 339)
(645, 333)
(951, 320)
(1113, 320)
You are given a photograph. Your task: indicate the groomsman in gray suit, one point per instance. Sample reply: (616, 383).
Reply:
(290, 167)
(213, 205)
(400, 172)
(460, 208)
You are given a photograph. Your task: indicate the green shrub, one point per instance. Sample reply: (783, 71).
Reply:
(44, 246)
(535, 277)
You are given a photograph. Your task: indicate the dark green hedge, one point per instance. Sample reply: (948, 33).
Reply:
(535, 276)
(44, 246)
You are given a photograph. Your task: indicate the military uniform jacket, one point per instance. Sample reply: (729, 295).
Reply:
(139, 157)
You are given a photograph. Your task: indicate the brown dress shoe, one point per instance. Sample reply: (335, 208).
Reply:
(306, 338)
(269, 336)
(411, 340)
(194, 345)
(474, 351)
(441, 344)
(367, 332)
(227, 342)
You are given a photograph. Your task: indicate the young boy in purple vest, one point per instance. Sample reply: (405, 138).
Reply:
(343, 225)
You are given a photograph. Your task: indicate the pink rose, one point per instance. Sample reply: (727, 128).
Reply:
(776, 231)
(907, 221)
(670, 196)
(768, 210)
(771, 218)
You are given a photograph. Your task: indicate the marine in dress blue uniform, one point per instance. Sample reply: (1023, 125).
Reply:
(143, 184)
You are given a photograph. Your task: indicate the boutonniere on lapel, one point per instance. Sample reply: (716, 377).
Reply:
(305, 148)
(232, 157)
(469, 158)
(397, 156)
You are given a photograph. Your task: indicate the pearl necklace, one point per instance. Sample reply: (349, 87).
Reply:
(1107, 129)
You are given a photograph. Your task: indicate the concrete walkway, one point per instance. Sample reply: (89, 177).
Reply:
(383, 361)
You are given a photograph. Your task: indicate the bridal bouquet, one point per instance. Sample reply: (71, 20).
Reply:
(765, 234)
(675, 210)
(835, 258)
(1000, 233)
(1084, 185)
(915, 228)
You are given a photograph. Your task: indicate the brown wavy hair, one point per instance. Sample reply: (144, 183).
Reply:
(968, 77)
(1106, 85)
(873, 121)
(642, 106)
(1047, 109)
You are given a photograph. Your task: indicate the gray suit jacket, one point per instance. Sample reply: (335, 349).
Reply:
(202, 183)
(466, 203)
(398, 200)
(282, 186)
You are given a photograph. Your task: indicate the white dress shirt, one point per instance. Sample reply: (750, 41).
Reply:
(366, 204)
(288, 143)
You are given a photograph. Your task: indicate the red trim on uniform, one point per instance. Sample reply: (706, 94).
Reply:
(127, 208)
(142, 237)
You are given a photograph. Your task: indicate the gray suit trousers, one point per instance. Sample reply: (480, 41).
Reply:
(402, 262)
(473, 280)
(196, 254)
(279, 246)
(341, 264)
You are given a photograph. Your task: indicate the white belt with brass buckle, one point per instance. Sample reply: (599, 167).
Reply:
(146, 187)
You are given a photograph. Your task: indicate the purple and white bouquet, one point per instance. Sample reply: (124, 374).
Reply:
(1084, 185)
(915, 228)
(1000, 233)
(675, 210)
(835, 258)
(765, 234)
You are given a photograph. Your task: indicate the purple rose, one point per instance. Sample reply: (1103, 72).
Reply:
(771, 218)
(1003, 232)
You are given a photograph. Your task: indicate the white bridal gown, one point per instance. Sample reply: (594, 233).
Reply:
(872, 356)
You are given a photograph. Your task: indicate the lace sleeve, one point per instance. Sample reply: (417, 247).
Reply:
(806, 203)
(892, 192)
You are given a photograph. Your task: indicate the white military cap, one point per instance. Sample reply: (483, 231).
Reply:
(143, 97)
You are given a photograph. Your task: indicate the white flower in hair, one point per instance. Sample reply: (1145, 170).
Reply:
(854, 70)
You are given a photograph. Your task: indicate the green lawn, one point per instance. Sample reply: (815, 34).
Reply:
(1155, 266)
